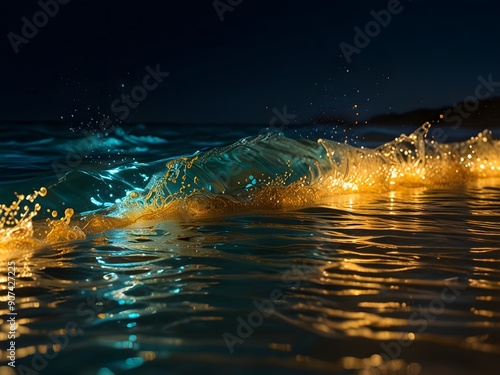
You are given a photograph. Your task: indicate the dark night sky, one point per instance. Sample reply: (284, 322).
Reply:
(264, 54)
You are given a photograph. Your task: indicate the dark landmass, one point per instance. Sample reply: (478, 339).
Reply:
(479, 114)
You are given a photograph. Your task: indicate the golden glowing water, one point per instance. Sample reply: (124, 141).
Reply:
(335, 170)
(366, 237)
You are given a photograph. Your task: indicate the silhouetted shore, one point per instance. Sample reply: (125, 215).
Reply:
(482, 114)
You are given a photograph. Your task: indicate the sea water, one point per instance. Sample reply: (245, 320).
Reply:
(161, 251)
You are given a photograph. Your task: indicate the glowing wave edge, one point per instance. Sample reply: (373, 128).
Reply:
(266, 173)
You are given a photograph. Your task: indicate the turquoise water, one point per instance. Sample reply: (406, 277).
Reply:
(374, 281)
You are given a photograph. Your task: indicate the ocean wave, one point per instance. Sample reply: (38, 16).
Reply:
(266, 172)
(274, 172)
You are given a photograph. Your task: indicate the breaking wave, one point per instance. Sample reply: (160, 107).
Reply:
(267, 172)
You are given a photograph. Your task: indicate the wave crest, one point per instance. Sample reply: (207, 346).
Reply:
(275, 172)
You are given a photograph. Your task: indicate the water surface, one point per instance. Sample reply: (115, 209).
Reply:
(360, 279)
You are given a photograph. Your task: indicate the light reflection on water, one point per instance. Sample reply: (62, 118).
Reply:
(354, 276)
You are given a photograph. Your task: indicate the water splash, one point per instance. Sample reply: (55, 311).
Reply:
(275, 172)
(16, 226)
(267, 172)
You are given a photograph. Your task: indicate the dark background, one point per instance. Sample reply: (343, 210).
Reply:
(264, 54)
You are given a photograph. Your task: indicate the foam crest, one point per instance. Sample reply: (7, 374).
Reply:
(267, 172)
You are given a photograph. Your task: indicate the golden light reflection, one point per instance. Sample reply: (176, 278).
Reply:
(6, 370)
(29, 350)
(386, 306)
(148, 356)
(375, 364)
(487, 313)
(281, 347)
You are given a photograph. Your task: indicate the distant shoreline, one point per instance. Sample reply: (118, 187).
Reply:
(486, 115)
